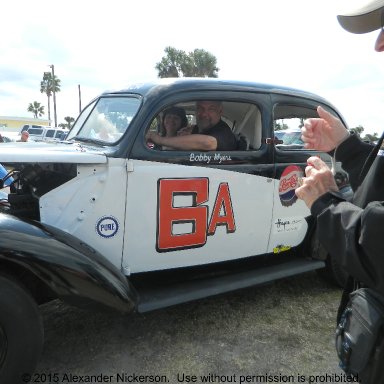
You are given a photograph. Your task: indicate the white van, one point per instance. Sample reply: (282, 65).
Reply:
(47, 133)
(27, 127)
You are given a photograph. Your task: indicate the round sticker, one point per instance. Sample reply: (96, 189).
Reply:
(107, 226)
(289, 181)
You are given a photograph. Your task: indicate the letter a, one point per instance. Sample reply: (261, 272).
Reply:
(223, 202)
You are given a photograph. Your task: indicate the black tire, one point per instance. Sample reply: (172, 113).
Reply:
(21, 332)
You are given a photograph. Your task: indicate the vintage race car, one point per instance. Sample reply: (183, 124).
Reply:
(105, 218)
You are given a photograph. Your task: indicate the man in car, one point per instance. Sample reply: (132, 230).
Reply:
(211, 133)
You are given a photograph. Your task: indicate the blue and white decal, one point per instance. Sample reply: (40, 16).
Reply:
(107, 226)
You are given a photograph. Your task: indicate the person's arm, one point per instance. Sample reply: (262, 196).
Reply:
(353, 153)
(194, 142)
(353, 236)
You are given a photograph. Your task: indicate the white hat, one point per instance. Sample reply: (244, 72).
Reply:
(366, 18)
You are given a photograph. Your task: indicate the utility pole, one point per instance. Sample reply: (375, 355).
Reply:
(79, 99)
(54, 93)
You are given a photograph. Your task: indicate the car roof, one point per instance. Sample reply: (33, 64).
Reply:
(170, 85)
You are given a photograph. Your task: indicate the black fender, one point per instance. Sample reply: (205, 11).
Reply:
(73, 270)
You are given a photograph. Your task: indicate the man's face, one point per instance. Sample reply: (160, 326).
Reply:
(208, 114)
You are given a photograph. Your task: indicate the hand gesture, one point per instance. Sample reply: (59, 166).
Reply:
(185, 131)
(324, 133)
(319, 180)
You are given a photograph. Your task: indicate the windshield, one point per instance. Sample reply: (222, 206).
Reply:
(105, 119)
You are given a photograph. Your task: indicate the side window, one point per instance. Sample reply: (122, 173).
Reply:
(241, 120)
(287, 123)
(50, 133)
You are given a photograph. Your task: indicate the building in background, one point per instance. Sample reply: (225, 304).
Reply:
(15, 124)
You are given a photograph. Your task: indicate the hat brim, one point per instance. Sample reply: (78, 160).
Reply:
(366, 19)
(362, 23)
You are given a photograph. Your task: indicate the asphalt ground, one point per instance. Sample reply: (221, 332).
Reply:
(281, 332)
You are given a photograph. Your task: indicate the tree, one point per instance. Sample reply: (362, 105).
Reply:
(48, 85)
(178, 63)
(68, 124)
(371, 138)
(367, 137)
(357, 130)
(36, 108)
(278, 126)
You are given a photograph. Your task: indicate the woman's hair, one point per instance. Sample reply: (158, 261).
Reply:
(178, 111)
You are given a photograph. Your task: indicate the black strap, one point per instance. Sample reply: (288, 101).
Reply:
(370, 159)
(348, 288)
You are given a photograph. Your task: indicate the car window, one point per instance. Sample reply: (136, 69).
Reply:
(50, 133)
(106, 119)
(35, 131)
(287, 123)
(244, 119)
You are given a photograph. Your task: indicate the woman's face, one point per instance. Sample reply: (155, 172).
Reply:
(172, 123)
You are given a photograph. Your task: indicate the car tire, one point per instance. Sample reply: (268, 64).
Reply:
(21, 332)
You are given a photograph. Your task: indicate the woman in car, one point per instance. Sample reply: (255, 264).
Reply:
(174, 118)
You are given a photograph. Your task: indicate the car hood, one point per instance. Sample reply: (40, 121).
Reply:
(55, 152)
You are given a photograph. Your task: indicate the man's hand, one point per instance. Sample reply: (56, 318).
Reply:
(318, 181)
(324, 133)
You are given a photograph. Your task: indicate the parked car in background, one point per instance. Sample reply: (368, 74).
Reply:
(27, 127)
(290, 136)
(9, 137)
(106, 219)
(47, 133)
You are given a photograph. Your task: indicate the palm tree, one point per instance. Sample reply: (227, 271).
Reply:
(178, 63)
(69, 120)
(48, 85)
(36, 108)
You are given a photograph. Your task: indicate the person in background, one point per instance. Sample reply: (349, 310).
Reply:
(24, 137)
(211, 133)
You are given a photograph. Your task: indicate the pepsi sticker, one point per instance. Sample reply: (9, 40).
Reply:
(289, 181)
(107, 227)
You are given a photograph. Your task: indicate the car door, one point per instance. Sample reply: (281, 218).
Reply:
(189, 208)
(290, 215)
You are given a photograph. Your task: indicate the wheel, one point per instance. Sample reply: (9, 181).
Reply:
(21, 332)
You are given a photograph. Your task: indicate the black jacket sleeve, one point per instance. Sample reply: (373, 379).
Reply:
(354, 236)
(353, 153)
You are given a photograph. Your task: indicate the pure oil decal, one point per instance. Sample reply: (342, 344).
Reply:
(107, 227)
(289, 181)
(183, 218)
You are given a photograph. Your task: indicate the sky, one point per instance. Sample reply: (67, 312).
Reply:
(103, 45)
